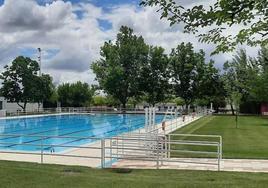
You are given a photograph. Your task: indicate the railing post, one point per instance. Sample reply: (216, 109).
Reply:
(219, 157)
(157, 153)
(42, 150)
(111, 150)
(163, 140)
(166, 147)
(102, 153)
(221, 146)
(169, 146)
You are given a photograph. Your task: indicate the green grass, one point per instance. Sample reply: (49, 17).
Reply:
(30, 175)
(249, 140)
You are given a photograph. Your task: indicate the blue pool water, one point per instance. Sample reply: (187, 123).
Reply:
(22, 131)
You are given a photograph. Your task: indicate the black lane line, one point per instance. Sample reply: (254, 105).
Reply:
(32, 128)
(47, 148)
(50, 129)
(53, 119)
(55, 137)
(46, 138)
(38, 132)
(35, 133)
(77, 140)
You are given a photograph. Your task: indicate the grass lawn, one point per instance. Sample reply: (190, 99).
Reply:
(249, 140)
(30, 175)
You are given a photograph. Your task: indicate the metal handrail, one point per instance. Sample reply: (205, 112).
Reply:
(139, 151)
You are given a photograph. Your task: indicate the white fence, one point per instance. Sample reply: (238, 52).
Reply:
(103, 152)
(159, 146)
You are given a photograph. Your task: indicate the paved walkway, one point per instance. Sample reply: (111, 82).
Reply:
(239, 165)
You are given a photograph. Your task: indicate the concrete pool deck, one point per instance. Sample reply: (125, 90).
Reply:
(237, 165)
(241, 165)
(86, 152)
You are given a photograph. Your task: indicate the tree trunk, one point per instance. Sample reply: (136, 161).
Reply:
(232, 108)
(124, 107)
(24, 106)
(236, 119)
(186, 108)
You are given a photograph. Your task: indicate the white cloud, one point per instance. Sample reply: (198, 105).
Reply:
(19, 16)
(77, 39)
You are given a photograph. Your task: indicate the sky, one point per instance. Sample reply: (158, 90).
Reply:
(71, 32)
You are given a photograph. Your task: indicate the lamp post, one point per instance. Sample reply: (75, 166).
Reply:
(40, 73)
(39, 60)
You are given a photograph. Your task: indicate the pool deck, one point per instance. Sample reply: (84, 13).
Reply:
(238, 165)
(87, 152)
(241, 165)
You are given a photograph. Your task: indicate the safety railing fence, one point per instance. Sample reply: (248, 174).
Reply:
(85, 110)
(170, 125)
(161, 148)
(97, 151)
(38, 148)
(77, 110)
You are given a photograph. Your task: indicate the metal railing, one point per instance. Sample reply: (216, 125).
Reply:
(38, 147)
(173, 124)
(103, 152)
(84, 110)
(158, 149)
(77, 110)
(156, 146)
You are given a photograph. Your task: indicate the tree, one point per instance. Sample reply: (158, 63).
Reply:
(51, 101)
(43, 88)
(211, 24)
(99, 100)
(186, 68)
(154, 76)
(238, 75)
(76, 95)
(21, 83)
(178, 101)
(119, 68)
(259, 85)
(210, 87)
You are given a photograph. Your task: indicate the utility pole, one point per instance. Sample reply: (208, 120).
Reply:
(40, 73)
(39, 60)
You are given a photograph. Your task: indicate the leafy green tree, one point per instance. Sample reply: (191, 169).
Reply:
(52, 100)
(76, 95)
(192, 78)
(187, 70)
(183, 74)
(111, 101)
(179, 101)
(238, 76)
(134, 101)
(212, 23)
(99, 100)
(21, 83)
(108, 100)
(210, 87)
(119, 68)
(259, 85)
(64, 95)
(154, 76)
(43, 89)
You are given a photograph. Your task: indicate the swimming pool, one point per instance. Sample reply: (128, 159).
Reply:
(24, 133)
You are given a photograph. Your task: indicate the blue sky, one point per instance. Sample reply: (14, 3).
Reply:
(100, 3)
(71, 33)
(104, 24)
